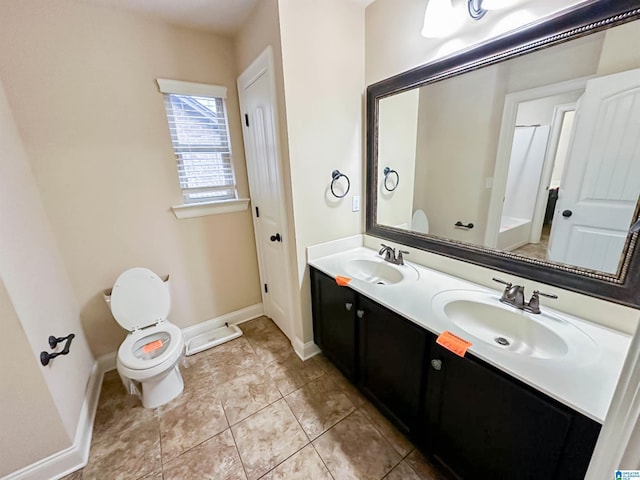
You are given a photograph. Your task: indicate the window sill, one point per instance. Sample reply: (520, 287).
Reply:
(210, 208)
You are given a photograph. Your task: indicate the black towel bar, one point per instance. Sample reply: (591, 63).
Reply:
(46, 357)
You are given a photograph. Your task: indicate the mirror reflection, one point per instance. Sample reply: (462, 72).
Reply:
(538, 155)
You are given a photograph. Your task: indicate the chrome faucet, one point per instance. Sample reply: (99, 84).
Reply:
(514, 295)
(390, 254)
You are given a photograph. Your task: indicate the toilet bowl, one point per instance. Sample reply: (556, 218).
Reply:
(419, 221)
(149, 356)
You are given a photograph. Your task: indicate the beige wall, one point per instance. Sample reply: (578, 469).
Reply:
(94, 127)
(260, 30)
(31, 427)
(397, 131)
(456, 152)
(323, 66)
(618, 51)
(394, 43)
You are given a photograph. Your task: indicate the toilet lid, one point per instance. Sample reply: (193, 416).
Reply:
(139, 298)
(419, 222)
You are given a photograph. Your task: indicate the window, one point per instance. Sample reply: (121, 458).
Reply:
(200, 135)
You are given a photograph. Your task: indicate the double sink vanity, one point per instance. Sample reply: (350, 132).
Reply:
(528, 398)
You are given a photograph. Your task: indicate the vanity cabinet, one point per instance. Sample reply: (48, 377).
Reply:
(481, 423)
(334, 322)
(378, 350)
(471, 417)
(392, 351)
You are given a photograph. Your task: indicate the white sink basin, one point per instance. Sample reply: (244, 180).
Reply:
(480, 318)
(377, 271)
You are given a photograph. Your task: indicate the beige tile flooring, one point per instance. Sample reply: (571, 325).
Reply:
(251, 409)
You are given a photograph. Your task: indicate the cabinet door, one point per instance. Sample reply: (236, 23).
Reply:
(334, 325)
(483, 425)
(392, 358)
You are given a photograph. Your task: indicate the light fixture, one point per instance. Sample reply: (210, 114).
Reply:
(440, 19)
(476, 9)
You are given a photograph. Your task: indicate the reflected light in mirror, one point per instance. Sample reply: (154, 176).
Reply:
(512, 21)
(499, 4)
(440, 19)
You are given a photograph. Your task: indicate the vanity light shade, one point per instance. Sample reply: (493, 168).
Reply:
(440, 19)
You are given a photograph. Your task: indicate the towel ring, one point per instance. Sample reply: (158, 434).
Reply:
(336, 175)
(387, 172)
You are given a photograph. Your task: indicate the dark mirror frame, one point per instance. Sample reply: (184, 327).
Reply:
(623, 287)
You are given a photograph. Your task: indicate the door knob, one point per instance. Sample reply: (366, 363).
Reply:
(348, 306)
(567, 213)
(276, 238)
(436, 364)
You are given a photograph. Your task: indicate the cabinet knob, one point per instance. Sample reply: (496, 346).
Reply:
(360, 313)
(436, 364)
(348, 306)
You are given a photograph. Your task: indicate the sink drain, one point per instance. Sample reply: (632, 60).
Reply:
(381, 283)
(502, 341)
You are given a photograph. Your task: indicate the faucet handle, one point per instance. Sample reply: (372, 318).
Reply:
(548, 295)
(499, 280)
(534, 304)
(399, 258)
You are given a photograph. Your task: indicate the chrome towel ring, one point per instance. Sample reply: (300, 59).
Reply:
(387, 173)
(335, 176)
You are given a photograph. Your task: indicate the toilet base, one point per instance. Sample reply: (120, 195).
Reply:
(157, 392)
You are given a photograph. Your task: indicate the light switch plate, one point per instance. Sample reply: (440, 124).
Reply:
(355, 203)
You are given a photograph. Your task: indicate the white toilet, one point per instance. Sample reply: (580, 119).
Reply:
(140, 303)
(419, 222)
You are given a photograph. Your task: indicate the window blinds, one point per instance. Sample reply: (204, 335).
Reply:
(200, 136)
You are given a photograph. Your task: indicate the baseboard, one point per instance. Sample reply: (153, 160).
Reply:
(232, 318)
(76, 456)
(305, 350)
(107, 362)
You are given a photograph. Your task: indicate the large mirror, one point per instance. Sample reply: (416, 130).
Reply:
(521, 155)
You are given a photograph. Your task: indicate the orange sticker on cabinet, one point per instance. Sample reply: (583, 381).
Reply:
(151, 347)
(453, 343)
(342, 281)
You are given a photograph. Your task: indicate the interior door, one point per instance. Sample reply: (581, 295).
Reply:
(601, 181)
(255, 88)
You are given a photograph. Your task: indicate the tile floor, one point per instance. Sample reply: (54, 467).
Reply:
(251, 409)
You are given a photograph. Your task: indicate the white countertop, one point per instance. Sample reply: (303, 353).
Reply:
(586, 386)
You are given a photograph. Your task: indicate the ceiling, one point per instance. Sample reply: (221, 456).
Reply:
(220, 16)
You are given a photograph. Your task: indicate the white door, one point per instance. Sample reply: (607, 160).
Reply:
(257, 102)
(601, 181)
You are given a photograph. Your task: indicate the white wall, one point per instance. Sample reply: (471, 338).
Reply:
(43, 300)
(323, 69)
(394, 43)
(456, 152)
(80, 79)
(397, 132)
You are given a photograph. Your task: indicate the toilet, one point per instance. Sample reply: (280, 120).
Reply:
(149, 356)
(419, 221)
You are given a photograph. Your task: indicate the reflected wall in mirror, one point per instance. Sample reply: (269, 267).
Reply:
(534, 158)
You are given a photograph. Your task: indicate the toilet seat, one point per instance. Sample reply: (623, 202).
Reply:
(164, 337)
(140, 303)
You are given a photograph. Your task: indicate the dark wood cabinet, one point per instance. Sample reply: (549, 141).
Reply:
(471, 417)
(334, 322)
(480, 423)
(392, 351)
